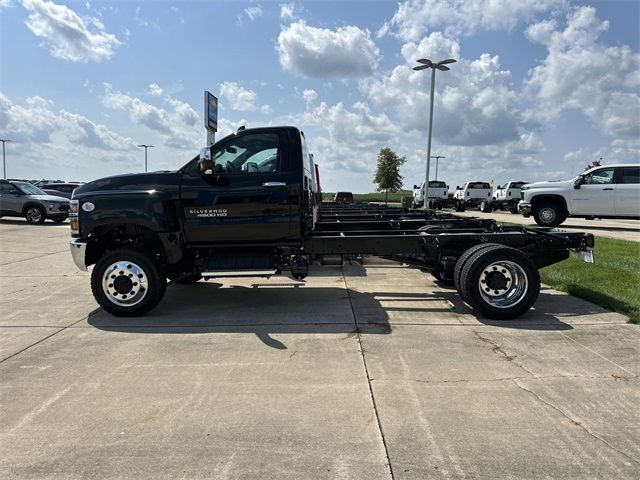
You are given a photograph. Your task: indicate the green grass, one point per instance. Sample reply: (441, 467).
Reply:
(613, 282)
(394, 197)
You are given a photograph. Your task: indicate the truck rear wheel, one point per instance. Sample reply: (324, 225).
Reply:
(464, 258)
(548, 214)
(127, 283)
(502, 283)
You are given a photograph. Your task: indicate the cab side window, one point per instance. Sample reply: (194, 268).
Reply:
(630, 175)
(600, 177)
(253, 153)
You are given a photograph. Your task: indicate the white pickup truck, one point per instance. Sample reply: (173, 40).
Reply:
(438, 194)
(608, 191)
(471, 194)
(505, 197)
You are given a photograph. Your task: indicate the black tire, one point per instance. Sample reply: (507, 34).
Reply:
(514, 209)
(150, 287)
(462, 261)
(502, 283)
(548, 214)
(463, 206)
(485, 206)
(34, 215)
(189, 278)
(58, 220)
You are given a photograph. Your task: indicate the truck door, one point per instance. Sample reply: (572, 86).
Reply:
(627, 193)
(596, 194)
(245, 196)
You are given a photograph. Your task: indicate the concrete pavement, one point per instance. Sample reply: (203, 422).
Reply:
(358, 372)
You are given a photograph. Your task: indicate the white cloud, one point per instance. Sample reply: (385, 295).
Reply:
(310, 95)
(177, 125)
(38, 122)
(254, 12)
(414, 18)
(288, 11)
(5, 4)
(155, 90)
(320, 52)
(475, 103)
(239, 98)
(67, 35)
(580, 72)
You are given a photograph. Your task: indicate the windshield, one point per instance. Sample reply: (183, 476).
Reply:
(29, 189)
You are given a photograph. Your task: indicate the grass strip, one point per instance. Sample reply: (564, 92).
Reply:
(613, 282)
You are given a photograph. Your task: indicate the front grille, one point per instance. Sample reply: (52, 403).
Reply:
(63, 208)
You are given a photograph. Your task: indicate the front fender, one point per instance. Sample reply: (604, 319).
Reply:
(151, 209)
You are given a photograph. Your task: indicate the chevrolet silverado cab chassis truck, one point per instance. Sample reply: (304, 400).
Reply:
(249, 206)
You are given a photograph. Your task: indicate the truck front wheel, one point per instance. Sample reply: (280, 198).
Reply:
(548, 214)
(127, 283)
(502, 283)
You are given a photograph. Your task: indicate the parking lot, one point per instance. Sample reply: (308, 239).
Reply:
(359, 372)
(623, 229)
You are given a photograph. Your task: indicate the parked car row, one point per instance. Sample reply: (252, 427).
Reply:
(608, 191)
(23, 199)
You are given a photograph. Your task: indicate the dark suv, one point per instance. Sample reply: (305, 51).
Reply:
(59, 189)
(22, 199)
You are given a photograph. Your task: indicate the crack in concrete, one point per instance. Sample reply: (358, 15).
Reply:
(369, 379)
(498, 350)
(575, 422)
(534, 377)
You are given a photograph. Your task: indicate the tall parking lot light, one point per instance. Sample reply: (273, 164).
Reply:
(146, 147)
(4, 159)
(437, 157)
(442, 65)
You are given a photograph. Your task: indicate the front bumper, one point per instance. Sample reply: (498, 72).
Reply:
(524, 208)
(78, 250)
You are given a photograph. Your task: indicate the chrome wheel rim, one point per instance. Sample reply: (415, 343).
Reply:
(125, 283)
(34, 215)
(503, 284)
(547, 215)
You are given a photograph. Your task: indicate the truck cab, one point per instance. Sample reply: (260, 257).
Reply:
(607, 191)
(437, 197)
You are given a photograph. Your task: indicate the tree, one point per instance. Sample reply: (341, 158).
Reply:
(388, 175)
(595, 163)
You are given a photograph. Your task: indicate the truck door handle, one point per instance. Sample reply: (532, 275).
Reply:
(605, 189)
(274, 184)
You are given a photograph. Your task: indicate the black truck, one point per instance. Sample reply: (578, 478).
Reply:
(250, 206)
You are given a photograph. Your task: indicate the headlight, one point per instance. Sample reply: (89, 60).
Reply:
(73, 206)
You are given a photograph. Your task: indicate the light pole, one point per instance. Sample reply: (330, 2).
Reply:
(4, 160)
(145, 154)
(442, 65)
(437, 157)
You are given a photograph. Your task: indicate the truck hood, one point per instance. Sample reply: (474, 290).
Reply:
(49, 198)
(130, 183)
(559, 184)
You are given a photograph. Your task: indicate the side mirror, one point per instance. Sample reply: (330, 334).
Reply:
(205, 162)
(458, 187)
(415, 187)
(578, 181)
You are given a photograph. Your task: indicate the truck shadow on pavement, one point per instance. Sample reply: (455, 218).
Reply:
(260, 308)
(296, 308)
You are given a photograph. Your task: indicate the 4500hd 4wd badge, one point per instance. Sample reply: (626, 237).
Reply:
(199, 212)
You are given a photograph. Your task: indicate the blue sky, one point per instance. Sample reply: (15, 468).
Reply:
(541, 88)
